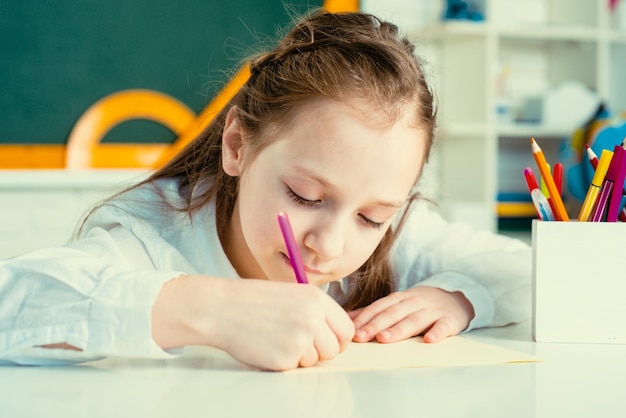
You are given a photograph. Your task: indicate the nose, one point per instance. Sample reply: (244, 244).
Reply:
(326, 238)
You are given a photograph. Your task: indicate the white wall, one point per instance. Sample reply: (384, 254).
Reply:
(409, 15)
(40, 208)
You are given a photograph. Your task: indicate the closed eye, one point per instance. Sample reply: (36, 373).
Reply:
(301, 200)
(370, 223)
(310, 203)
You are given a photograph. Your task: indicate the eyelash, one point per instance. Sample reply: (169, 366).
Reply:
(370, 223)
(310, 203)
(299, 199)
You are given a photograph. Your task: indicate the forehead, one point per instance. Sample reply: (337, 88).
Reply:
(369, 113)
(354, 143)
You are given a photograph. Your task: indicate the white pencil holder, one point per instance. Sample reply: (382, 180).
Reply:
(579, 282)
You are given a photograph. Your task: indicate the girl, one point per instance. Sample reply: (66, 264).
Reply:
(333, 127)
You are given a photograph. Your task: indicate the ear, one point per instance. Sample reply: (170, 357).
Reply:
(232, 144)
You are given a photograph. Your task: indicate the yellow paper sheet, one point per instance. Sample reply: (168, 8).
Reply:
(453, 351)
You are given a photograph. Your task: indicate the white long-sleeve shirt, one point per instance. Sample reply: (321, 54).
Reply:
(97, 292)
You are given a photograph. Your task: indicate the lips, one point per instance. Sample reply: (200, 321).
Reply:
(306, 268)
(313, 271)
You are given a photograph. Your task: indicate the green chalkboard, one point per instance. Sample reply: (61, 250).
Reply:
(57, 57)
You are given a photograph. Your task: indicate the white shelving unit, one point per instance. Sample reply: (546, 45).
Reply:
(540, 44)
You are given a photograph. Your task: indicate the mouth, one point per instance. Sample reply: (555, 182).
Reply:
(308, 270)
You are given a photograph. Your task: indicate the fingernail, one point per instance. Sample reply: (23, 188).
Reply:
(385, 335)
(360, 333)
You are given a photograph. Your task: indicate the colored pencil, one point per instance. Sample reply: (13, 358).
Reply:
(542, 164)
(593, 158)
(607, 188)
(295, 258)
(596, 184)
(615, 202)
(543, 208)
(557, 173)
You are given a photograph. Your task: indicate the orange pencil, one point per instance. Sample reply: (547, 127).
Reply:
(560, 212)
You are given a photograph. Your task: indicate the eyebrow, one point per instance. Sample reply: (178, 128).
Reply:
(324, 182)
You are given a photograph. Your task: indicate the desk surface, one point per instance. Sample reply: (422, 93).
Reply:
(571, 381)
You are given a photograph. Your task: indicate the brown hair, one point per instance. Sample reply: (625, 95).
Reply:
(324, 56)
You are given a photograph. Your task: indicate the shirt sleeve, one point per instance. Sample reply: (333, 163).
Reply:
(491, 270)
(95, 294)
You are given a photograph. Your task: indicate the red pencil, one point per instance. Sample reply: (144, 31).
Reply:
(557, 173)
(531, 180)
(593, 158)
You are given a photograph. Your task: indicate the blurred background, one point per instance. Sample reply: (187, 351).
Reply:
(503, 71)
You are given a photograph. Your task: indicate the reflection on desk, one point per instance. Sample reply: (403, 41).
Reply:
(571, 381)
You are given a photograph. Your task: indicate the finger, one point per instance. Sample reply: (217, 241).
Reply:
(411, 325)
(327, 345)
(309, 357)
(367, 313)
(441, 329)
(388, 318)
(341, 325)
(353, 314)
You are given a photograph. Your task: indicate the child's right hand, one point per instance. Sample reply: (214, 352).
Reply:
(269, 325)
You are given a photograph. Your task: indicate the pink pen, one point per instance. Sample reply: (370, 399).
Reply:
(295, 258)
(616, 196)
(593, 159)
(607, 186)
(622, 214)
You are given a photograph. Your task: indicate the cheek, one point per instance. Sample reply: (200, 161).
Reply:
(258, 209)
(360, 250)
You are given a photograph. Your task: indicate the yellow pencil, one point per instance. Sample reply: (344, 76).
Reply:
(542, 164)
(596, 185)
(544, 186)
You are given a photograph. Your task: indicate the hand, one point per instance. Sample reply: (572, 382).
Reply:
(281, 326)
(424, 310)
(269, 325)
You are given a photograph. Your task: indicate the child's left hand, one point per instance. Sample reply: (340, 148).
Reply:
(424, 310)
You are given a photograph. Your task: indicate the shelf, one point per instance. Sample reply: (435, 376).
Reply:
(549, 33)
(522, 52)
(514, 130)
(441, 30)
(527, 130)
(617, 37)
(453, 29)
(461, 129)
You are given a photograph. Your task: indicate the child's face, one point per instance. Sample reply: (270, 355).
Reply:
(340, 181)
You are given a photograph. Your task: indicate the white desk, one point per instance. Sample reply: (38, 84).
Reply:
(572, 381)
